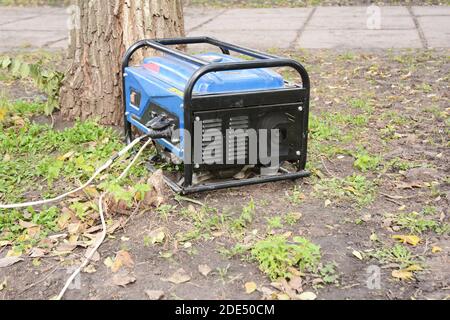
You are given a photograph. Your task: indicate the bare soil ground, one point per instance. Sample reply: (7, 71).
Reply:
(388, 111)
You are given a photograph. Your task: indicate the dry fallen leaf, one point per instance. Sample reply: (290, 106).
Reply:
(123, 279)
(179, 277)
(307, 296)
(4, 243)
(414, 267)
(250, 287)
(403, 274)
(14, 253)
(66, 156)
(114, 226)
(74, 228)
(283, 296)
(91, 191)
(65, 218)
(3, 113)
(296, 283)
(407, 239)
(3, 284)
(123, 258)
(374, 237)
(358, 254)
(90, 269)
(436, 249)
(37, 253)
(268, 293)
(159, 193)
(65, 248)
(157, 236)
(95, 257)
(9, 261)
(154, 294)
(287, 289)
(27, 225)
(295, 272)
(204, 269)
(409, 185)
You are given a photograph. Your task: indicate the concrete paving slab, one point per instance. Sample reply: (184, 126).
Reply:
(45, 22)
(255, 23)
(355, 22)
(260, 19)
(358, 39)
(266, 12)
(359, 11)
(9, 15)
(256, 39)
(11, 40)
(195, 17)
(436, 30)
(431, 11)
(6, 20)
(329, 27)
(28, 11)
(61, 44)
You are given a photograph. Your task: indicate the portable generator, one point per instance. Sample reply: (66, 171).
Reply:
(215, 113)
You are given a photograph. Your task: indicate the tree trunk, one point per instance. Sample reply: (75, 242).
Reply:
(98, 41)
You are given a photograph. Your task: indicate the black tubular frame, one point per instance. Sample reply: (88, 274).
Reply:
(263, 61)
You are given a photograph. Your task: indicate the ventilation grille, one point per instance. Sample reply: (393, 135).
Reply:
(212, 149)
(238, 141)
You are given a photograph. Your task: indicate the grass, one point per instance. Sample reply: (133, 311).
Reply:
(323, 128)
(397, 254)
(275, 223)
(276, 255)
(296, 196)
(418, 223)
(246, 217)
(292, 218)
(398, 164)
(363, 104)
(72, 154)
(44, 223)
(365, 161)
(40, 161)
(355, 189)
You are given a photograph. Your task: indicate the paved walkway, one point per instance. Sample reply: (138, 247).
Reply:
(321, 27)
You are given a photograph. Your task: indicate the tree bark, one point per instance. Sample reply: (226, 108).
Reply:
(99, 38)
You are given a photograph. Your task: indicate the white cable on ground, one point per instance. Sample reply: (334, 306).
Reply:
(91, 253)
(99, 170)
(132, 163)
(104, 230)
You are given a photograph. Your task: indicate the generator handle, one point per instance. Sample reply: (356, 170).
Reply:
(256, 64)
(161, 45)
(224, 46)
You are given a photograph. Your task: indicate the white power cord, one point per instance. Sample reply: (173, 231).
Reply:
(100, 204)
(91, 253)
(133, 162)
